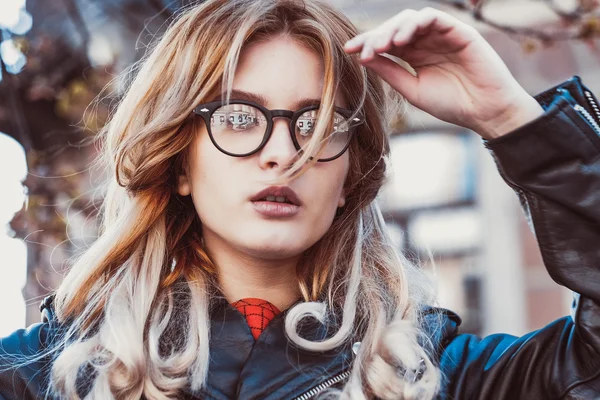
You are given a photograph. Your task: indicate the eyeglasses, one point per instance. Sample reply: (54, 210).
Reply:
(241, 128)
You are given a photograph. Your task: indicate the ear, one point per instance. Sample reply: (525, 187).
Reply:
(183, 185)
(342, 199)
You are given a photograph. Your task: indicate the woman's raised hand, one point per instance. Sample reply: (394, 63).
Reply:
(459, 77)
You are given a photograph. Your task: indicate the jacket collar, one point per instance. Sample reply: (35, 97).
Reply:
(271, 367)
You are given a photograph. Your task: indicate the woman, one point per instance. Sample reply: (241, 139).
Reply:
(245, 160)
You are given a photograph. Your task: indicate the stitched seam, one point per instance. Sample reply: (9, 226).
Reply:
(577, 318)
(533, 207)
(540, 233)
(578, 383)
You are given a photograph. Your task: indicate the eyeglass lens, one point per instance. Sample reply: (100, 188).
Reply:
(240, 129)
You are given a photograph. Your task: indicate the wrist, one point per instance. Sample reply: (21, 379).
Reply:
(519, 113)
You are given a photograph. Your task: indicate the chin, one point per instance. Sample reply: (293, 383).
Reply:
(277, 246)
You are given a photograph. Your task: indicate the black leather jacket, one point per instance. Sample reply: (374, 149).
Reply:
(553, 164)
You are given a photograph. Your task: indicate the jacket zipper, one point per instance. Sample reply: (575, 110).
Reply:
(588, 117)
(324, 385)
(593, 104)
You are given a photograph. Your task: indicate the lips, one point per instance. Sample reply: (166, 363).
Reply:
(277, 191)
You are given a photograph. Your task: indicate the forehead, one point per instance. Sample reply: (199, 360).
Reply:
(281, 70)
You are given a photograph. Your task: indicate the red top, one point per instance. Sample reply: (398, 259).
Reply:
(258, 314)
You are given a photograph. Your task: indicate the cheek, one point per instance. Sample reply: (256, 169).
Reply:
(213, 178)
(329, 184)
(339, 176)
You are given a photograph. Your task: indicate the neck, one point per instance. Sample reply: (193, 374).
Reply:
(244, 276)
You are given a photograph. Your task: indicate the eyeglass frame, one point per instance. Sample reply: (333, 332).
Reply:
(206, 110)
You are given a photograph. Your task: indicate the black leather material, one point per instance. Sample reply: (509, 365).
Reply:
(270, 368)
(553, 164)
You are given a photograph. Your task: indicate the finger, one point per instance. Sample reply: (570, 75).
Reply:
(367, 53)
(442, 21)
(449, 26)
(408, 32)
(436, 32)
(406, 28)
(380, 39)
(405, 34)
(395, 75)
(370, 43)
(355, 44)
(396, 32)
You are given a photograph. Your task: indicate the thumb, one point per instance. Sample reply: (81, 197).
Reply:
(399, 78)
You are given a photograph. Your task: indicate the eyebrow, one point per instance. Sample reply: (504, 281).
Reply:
(257, 98)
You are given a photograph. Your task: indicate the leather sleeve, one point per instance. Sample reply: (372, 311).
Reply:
(21, 376)
(553, 164)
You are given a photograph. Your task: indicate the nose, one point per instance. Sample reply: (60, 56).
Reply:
(279, 151)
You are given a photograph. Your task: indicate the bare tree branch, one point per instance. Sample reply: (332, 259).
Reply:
(74, 14)
(581, 23)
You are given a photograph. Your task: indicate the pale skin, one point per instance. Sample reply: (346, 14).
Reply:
(460, 79)
(256, 256)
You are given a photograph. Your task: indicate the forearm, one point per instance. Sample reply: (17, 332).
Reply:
(553, 163)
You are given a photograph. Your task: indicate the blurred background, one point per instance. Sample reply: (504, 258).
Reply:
(445, 203)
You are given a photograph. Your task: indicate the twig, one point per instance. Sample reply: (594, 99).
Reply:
(78, 21)
(582, 27)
